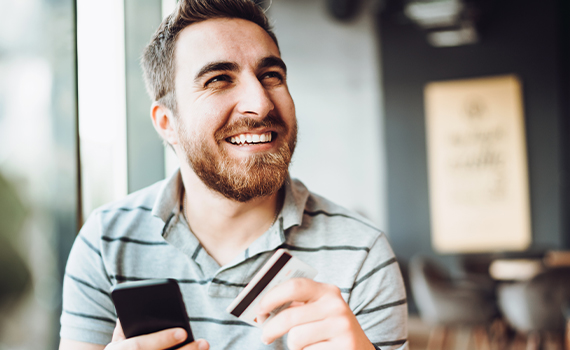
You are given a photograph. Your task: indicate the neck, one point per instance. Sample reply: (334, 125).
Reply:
(225, 227)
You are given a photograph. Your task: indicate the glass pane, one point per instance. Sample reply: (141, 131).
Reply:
(38, 158)
(102, 107)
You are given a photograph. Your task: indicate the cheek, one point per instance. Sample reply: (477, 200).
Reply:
(285, 107)
(204, 119)
(214, 111)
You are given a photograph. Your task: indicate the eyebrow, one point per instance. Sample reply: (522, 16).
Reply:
(216, 67)
(266, 62)
(272, 61)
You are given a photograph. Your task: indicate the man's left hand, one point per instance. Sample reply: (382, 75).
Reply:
(317, 319)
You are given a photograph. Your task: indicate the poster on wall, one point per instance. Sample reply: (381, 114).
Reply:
(478, 176)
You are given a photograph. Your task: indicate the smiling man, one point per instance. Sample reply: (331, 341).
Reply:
(219, 84)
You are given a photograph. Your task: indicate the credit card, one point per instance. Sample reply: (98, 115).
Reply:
(282, 266)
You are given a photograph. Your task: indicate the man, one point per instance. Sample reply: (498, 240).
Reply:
(221, 101)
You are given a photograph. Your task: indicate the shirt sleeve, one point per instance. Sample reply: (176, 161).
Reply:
(88, 312)
(378, 298)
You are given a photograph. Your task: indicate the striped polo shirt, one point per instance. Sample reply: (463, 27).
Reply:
(146, 236)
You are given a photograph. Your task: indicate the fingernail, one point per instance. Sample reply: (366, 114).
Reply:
(202, 345)
(179, 334)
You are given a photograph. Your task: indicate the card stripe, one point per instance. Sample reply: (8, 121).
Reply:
(260, 286)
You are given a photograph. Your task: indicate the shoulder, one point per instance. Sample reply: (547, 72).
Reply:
(335, 221)
(347, 249)
(119, 217)
(327, 212)
(143, 199)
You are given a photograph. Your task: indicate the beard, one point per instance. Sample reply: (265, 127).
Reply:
(257, 175)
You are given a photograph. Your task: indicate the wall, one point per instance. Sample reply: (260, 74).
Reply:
(334, 79)
(564, 15)
(520, 37)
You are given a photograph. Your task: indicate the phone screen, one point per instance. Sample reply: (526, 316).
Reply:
(150, 306)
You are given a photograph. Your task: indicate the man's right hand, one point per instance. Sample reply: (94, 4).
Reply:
(155, 341)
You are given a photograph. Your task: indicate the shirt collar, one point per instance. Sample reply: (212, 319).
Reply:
(168, 199)
(167, 204)
(296, 195)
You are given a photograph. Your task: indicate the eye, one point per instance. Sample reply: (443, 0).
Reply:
(271, 78)
(218, 81)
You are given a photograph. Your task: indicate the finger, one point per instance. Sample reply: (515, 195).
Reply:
(333, 345)
(159, 340)
(296, 289)
(339, 332)
(118, 334)
(325, 345)
(284, 321)
(199, 344)
(300, 337)
(330, 305)
(262, 318)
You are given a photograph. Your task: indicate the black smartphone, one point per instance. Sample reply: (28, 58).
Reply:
(150, 306)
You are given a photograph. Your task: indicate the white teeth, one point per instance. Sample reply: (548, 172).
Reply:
(251, 138)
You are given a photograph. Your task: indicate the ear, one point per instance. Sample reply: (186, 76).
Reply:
(164, 123)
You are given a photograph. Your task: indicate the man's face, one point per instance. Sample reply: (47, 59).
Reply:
(236, 119)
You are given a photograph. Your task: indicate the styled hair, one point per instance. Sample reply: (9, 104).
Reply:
(158, 61)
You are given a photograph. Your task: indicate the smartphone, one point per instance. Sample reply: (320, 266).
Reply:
(150, 306)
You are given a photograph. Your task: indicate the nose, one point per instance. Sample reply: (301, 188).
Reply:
(254, 99)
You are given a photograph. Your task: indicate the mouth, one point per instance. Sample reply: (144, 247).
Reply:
(251, 138)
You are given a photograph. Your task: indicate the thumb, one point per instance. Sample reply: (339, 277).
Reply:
(199, 344)
(118, 334)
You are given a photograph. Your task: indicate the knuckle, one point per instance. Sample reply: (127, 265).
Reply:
(348, 343)
(269, 331)
(291, 287)
(338, 307)
(334, 289)
(133, 345)
(191, 346)
(343, 324)
(296, 283)
(293, 339)
(290, 317)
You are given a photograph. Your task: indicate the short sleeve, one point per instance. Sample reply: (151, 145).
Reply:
(378, 298)
(88, 312)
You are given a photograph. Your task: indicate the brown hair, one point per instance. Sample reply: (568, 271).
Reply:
(158, 56)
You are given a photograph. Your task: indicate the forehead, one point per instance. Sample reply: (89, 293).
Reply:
(222, 39)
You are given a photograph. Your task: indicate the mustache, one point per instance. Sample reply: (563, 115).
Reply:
(246, 123)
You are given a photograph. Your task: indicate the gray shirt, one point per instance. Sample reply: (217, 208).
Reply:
(146, 236)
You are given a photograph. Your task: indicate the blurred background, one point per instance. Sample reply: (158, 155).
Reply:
(75, 133)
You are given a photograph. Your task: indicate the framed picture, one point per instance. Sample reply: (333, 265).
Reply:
(478, 175)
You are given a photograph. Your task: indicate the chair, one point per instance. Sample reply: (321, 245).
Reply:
(535, 308)
(449, 304)
(567, 332)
